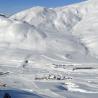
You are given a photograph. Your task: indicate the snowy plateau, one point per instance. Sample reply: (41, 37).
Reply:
(50, 52)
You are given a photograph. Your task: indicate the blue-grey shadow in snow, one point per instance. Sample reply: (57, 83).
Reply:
(19, 94)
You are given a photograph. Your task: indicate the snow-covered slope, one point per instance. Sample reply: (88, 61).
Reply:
(67, 34)
(50, 52)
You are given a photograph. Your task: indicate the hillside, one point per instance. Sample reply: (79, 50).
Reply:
(50, 52)
(57, 34)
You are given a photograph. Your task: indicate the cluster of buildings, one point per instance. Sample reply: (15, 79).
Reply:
(52, 77)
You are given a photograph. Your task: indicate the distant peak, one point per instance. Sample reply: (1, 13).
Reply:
(93, 0)
(40, 8)
(2, 15)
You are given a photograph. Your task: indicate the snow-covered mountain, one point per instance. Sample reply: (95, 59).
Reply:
(50, 52)
(63, 34)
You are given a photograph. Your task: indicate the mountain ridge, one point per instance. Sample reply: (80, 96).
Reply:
(53, 32)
